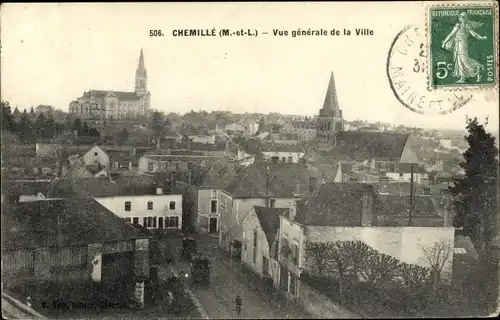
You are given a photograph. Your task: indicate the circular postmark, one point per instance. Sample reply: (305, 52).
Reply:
(407, 73)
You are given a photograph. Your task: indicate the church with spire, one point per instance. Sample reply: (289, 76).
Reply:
(329, 120)
(109, 104)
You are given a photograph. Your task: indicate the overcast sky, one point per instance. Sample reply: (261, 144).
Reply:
(52, 53)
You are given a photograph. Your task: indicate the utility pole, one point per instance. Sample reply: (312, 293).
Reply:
(411, 196)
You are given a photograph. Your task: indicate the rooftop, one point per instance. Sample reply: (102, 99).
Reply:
(269, 220)
(62, 222)
(96, 187)
(263, 180)
(336, 204)
(381, 146)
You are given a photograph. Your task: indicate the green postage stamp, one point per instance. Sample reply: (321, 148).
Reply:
(462, 43)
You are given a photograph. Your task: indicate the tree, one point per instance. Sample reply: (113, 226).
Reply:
(317, 253)
(437, 256)
(475, 194)
(85, 129)
(50, 127)
(157, 123)
(25, 128)
(123, 136)
(40, 128)
(77, 126)
(32, 112)
(7, 120)
(262, 125)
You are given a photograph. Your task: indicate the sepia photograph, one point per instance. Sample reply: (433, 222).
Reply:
(250, 160)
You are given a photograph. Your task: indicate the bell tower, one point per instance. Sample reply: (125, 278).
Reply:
(141, 77)
(330, 120)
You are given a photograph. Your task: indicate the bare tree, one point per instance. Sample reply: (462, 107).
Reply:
(436, 256)
(317, 254)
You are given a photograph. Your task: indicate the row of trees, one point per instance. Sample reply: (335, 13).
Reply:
(44, 127)
(358, 273)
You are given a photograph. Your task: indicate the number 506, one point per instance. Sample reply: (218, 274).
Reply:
(442, 69)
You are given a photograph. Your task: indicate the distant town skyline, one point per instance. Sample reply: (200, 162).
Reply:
(67, 49)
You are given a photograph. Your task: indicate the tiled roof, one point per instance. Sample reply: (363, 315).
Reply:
(270, 221)
(260, 180)
(220, 174)
(281, 148)
(356, 145)
(336, 204)
(96, 187)
(423, 206)
(25, 187)
(62, 222)
(122, 95)
(168, 157)
(406, 168)
(396, 188)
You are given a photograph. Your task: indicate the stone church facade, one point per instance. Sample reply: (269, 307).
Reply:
(102, 104)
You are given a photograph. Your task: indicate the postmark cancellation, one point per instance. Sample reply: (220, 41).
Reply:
(462, 42)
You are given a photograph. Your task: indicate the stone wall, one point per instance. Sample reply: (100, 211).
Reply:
(321, 306)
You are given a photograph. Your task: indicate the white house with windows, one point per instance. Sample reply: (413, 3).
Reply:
(160, 211)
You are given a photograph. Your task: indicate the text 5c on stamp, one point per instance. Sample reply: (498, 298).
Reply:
(462, 42)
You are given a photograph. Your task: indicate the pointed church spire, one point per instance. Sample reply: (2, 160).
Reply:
(141, 68)
(331, 103)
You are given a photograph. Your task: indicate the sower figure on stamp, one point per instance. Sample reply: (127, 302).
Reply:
(458, 42)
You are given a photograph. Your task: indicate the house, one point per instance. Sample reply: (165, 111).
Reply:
(76, 245)
(203, 139)
(282, 153)
(168, 163)
(25, 190)
(373, 149)
(306, 130)
(250, 127)
(349, 212)
(403, 172)
(233, 128)
(114, 158)
(260, 240)
(261, 184)
(219, 175)
(138, 199)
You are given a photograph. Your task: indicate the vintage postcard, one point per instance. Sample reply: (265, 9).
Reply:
(250, 160)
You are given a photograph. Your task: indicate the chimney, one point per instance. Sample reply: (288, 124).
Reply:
(159, 190)
(173, 181)
(189, 176)
(366, 213)
(383, 182)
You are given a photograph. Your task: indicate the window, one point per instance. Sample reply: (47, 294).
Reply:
(150, 166)
(295, 254)
(127, 220)
(154, 222)
(172, 222)
(283, 159)
(172, 205)
(290, 159)
(284, 247)
(160, 222)
(214, 194)
(213, 206)
(272, 203)
(95, 154)
(293, 284)
(401, 175)
(254, 246)
(144, 222)
(128, 206)
(150, 205)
